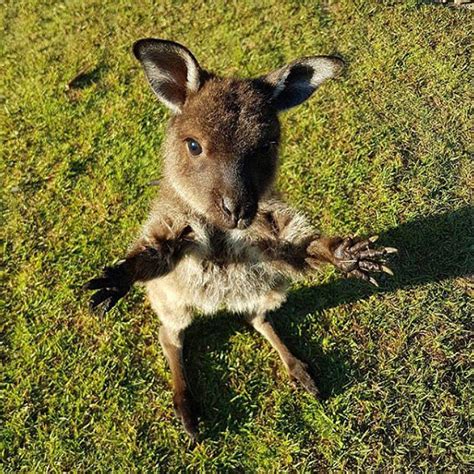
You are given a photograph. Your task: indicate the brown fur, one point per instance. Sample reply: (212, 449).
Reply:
(234, 123)
(217, 236)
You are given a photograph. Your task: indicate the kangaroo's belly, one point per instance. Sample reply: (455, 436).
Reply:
(208, 286)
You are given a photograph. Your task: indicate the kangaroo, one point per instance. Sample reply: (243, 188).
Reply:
(218, 236)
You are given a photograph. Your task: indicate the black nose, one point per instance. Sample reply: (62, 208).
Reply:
(235, 213)
(231, 209)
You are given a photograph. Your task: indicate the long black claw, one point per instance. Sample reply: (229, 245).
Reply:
(104, 300)
(113, 284)
(98, 298)
(97, 284)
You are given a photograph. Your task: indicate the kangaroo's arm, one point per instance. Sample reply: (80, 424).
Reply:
(154, 254)
(298, 247)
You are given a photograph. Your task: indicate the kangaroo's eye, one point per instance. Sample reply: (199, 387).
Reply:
(193, 146)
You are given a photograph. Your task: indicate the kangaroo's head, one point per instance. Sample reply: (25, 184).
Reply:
(222, 142)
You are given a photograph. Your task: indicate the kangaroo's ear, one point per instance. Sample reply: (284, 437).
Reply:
(172, 71)
(295, 82)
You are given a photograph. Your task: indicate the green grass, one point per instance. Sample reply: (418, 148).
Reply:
(382, 150)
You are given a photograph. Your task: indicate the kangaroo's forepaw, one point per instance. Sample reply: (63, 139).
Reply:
(356, 258)
(113, 284)
(186, 413)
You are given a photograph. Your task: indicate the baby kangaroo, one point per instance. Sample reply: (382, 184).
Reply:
(218, 236)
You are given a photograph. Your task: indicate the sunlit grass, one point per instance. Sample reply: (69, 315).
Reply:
(382, 150)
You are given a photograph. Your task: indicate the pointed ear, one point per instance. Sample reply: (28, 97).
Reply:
(172, 71)
(295, 82)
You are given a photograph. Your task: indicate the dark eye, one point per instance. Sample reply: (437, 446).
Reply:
(193, 146)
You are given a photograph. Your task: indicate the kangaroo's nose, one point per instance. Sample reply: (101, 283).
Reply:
(237, 214)
(231, 209)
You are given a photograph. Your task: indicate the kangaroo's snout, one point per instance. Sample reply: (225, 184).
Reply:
(238, 214)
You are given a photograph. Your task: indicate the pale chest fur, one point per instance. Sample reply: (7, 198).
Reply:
(234, 269)
(226, 270)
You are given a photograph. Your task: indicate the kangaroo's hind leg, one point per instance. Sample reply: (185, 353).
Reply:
(297, 369)
(175, 319)
(172, 344)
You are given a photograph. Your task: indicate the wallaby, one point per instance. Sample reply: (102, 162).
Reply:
(218, 236)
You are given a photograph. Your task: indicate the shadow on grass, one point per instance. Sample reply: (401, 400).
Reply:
(432, 249)
(83, 80)
(86, 77)
(219, 406)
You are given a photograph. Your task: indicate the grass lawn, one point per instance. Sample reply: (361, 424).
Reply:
(384, 149)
